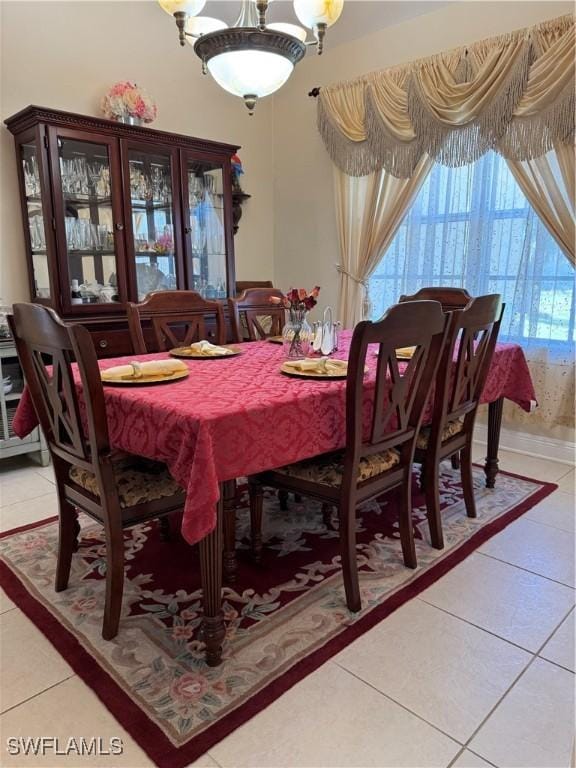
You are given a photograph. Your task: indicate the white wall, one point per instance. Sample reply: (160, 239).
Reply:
(66, 54)
(305, 241)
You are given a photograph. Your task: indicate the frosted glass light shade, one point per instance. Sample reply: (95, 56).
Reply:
(253, 73)
(314, 12)
(288, 29)
(202, 25)
(189, 7)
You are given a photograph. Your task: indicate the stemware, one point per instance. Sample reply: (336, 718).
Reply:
(31, 177)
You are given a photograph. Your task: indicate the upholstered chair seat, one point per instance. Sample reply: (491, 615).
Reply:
(329, 468)
(450, 429)
(138, 481)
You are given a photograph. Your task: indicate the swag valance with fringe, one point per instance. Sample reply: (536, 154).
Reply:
(514, 94)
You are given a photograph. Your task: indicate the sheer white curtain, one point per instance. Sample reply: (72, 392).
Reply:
(473, 227)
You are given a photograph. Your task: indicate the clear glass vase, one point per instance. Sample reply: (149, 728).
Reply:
(297, 335)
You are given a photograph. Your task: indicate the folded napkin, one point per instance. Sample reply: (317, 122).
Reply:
(205, 349)
(323, 365)
(136, 370)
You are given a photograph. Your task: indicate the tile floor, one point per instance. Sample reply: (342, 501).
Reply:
(477, 671)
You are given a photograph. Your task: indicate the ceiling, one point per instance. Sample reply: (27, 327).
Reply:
(359, 17)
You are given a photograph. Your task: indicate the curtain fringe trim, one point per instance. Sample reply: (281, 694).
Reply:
(495, 128)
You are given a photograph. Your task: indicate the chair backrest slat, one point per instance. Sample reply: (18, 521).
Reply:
(472, 339)
(450, 298)
(254, 316)
(177, 318)
(46, 348)
(243, 285)
(401, 389)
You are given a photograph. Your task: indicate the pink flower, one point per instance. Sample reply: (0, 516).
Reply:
(188, 688)
(127, 99)
(180, 632)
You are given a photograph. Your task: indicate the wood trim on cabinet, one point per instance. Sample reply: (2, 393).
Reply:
(31, 115)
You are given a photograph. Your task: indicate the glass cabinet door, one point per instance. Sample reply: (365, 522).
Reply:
(91, 221)
(205, 228)
(156, 241)
(35, 219)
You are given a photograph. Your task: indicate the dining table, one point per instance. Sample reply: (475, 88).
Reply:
(240, 415)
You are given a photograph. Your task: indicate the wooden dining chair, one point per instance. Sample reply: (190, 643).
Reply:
(243, 285)
(176, 318)
(117, 490)
(462, 373)
(254, 316)
(449, 298)
(379, 458)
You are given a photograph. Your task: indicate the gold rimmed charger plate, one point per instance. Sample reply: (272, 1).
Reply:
(143, 381)
(404, 353)
(275, 339)
(191, 354)
(289, 371)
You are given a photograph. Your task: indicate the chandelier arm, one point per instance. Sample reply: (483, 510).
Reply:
(320, 33)
(262, 7)
(180, 18)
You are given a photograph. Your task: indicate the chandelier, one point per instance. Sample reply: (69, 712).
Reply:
(252, 59)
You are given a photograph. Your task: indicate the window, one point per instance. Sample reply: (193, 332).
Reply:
(472, 227)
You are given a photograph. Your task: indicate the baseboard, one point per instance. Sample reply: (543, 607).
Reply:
(562, 451)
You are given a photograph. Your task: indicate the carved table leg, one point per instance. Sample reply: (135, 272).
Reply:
(229, 500)
(256, 499)
(494, 424)
(210, 548)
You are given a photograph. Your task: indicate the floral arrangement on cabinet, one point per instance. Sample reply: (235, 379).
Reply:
(128, 103)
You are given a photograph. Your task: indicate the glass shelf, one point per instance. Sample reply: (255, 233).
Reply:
(87, 201)
(151, 206)
(91, 252)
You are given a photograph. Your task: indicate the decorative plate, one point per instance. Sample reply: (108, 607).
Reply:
(191, 354)
(405, 353)
(402, 353)
(143, 381)
(332, 376)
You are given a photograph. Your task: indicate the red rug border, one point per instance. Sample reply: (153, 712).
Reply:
(144, 732)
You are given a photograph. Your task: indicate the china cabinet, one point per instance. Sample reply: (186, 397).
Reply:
(114, 211)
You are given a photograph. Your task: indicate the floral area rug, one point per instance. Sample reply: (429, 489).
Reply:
(284, 617)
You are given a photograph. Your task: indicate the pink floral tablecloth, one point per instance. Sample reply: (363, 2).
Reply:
(238, 416)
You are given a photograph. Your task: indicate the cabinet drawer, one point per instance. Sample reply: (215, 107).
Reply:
(112, 343)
